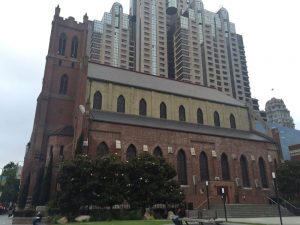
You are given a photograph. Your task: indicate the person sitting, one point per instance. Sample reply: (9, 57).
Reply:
(180, 213)
(38, 218)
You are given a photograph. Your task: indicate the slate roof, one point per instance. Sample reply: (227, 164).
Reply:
(155, 83)
(65, 131)
(134, 120)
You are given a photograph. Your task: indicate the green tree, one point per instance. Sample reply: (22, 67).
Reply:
(75, 181)
(11, 187)
(151, 181)
(109, 180)
(288, 176)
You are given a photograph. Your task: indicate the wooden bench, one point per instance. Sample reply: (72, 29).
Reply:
(189, 221)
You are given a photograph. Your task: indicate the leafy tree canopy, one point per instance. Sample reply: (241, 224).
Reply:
(11, 187)
(288, 175)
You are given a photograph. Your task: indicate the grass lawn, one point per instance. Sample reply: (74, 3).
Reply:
(126, 222)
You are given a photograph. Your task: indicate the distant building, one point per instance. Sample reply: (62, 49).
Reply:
(278, 113)
(295, 152)
(288, 136)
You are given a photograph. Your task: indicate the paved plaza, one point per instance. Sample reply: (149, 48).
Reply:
(294, 220)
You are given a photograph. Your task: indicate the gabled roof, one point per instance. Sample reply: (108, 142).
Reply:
(155, 83)
(65, 131)
(133, 120)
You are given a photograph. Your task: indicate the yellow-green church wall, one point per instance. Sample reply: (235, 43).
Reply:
(110, 93)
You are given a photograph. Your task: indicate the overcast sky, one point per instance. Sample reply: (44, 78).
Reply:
(270, 29)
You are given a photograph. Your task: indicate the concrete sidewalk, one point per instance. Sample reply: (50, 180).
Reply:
(293, 220)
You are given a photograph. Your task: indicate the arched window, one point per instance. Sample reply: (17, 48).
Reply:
(181, 167)
(225, 167)
(131, 152)
(204, 173)
(232, 121)
(63, 84)
(121, 104)
(74, 47)
(102, 150)
(97, 103)
(181, 113)
(216, 119)
(263, 174)
(163, 110)
(157, 152)
(199, 116)
(62, 44)
(143, 107)
(244, 170)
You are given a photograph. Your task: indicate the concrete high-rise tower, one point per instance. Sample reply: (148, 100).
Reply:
(109, 39)
(149, 36)
(208, 51)
(278, 113)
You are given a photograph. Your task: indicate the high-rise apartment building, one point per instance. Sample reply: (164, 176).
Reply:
(109, 39)
(278, 113)
(208, 51)
(178, 39)
(149, 36)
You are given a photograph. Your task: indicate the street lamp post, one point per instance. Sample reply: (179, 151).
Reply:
(207, 194)
(224, 202)
(276, 194)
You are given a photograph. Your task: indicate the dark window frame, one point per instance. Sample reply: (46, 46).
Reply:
(62, 44)
(204, 168)
(102, 149)
(200, 116)
(97, 101)
(143, 107)
(225, 167)
(217, 122)
(121, 104)
(263, 173)
(181, 167)
(63, 88)
(131, 152)
(244, 171)
(181, 113)
(163, 110)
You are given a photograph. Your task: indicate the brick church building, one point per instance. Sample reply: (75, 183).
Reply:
(205, 134)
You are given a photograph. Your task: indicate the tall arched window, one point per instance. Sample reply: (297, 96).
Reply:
(97, 102)
(131, 152)
(181, 113)
(216, 119)
(63, 84)
(121, 104)
(232, 121)
(199, 116)
(225, 167)
(163, 110)
(143, 107)
(62, 44)
(204, 173)
(102, 149)
(181, 167)
(263, 174)
(74, 47)
(158, 152)
(244, 170)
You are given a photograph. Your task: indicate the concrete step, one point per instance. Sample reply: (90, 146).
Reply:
(250, 210)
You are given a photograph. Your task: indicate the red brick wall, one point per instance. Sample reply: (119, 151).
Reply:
(139, 136)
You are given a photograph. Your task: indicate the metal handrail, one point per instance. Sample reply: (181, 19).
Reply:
(287, 205)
